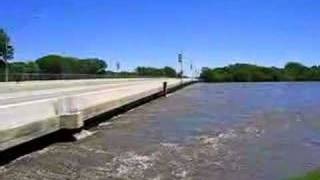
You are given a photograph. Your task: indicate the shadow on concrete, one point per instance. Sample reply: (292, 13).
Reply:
(26, 148)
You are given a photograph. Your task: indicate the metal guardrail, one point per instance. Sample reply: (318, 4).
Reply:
(41, 76)
(18, 77)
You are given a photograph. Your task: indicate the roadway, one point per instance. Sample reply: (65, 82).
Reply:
(14, 93)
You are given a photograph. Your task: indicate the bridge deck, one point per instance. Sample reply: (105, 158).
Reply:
(32, 109)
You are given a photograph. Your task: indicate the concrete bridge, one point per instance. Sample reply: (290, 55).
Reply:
(30, 110)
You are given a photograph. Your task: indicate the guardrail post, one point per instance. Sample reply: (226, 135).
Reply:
(165, 88)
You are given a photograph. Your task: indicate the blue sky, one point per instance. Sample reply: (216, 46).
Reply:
(151, 32)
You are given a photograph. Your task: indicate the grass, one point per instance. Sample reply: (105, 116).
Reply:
(313, 175)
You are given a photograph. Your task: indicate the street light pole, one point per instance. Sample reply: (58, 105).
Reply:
(5, 60)
(180, 57)
(118, 66)
(191, 69)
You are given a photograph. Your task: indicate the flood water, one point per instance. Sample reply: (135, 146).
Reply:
(240, 131)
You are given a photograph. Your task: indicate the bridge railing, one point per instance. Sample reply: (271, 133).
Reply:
(42, 76)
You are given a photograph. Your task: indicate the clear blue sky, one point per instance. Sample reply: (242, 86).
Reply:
(149, 32)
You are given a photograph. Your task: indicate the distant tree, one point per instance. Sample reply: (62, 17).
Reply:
(277, 74)
(207, 74)
(17, 67)
(23, 67)
(31, 67)
(169, 72)
(6, 49)
(56, 64)
(295, 71)
(156, 72)
(92, 66)
(313, 73)
(51, 64)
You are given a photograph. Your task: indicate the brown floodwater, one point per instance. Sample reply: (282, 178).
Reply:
(233, 131)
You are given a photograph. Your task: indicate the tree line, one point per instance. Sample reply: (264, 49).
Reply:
(156, 72)
(56, 64)
(292, 71)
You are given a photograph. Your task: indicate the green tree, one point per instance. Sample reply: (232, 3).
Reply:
(208, 75)
(17, 67)
(156, 72)
(169, 72)
(6, 49)
(92, 66)
(52, 64)
(295, 71)
(31, 67)
(56, 64)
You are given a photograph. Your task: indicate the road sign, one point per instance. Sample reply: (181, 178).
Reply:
(180, 58)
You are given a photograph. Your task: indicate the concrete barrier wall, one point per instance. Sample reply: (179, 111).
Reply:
(23, 122)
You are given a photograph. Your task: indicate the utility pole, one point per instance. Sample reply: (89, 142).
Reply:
(118, 66)
(180, 61)
(191, 69)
